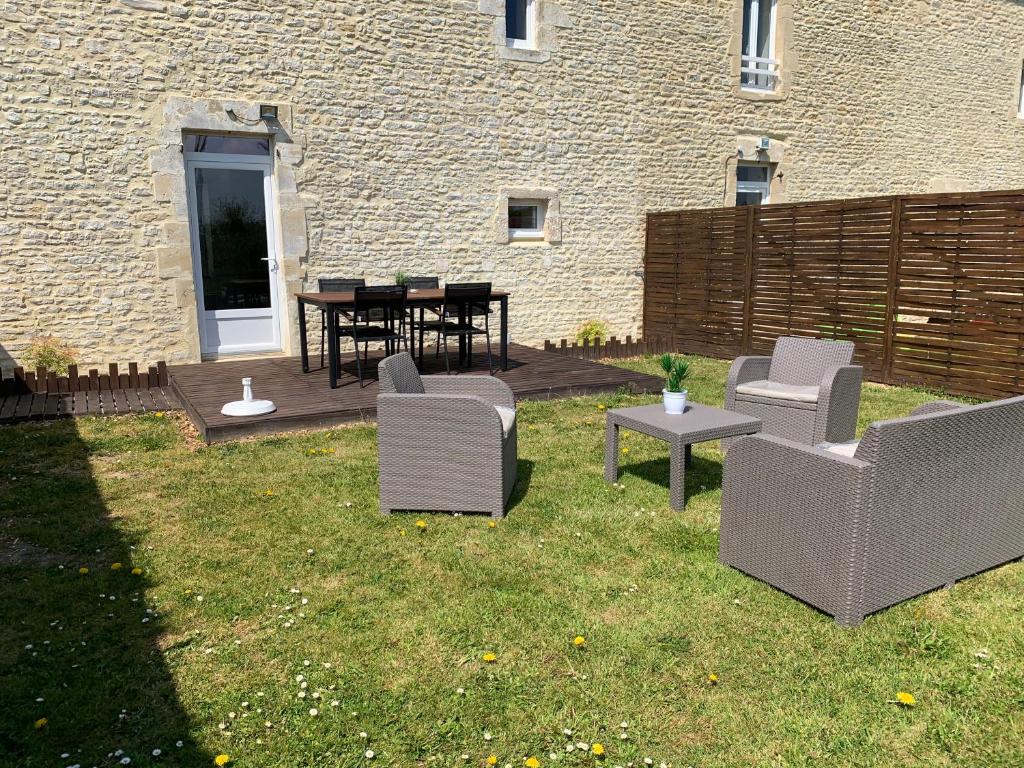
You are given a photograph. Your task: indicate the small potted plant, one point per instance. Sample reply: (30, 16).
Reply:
(676, 372)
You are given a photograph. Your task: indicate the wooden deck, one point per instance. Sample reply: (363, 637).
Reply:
(32, 406)
(304, 400)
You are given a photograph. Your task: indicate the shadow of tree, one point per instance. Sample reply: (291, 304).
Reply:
(83, 679)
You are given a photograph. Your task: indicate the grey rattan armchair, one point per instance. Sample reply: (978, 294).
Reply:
(919, 503)
(444, 442)
(806, 391)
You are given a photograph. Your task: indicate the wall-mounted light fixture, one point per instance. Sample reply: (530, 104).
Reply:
(268, 112)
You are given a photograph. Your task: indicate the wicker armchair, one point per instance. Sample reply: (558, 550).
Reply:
(444, 442)
(917, 504)
(806, 391)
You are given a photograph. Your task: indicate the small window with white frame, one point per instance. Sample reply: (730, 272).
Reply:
(521, 23)
(753, 183)
(759, 68)
(526, 219)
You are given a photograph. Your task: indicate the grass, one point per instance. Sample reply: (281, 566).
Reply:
(266, 560)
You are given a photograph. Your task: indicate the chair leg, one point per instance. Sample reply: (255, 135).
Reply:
(323, 336)
(359, 368)
(447, 365)
(487, 331)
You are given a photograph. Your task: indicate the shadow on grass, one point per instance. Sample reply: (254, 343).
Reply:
(82, 650)
(524, 472)
(701, 474)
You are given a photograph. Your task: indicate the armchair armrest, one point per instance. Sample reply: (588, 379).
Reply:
(487, 388)
(838, 404)
(935, 406)
(793, 516)
(744, 370)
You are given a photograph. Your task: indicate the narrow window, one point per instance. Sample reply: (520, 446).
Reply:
(758, 68)
(526, 219)
(520, 23)
(753, 183)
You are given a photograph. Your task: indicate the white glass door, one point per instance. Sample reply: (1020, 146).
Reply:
(234, 252)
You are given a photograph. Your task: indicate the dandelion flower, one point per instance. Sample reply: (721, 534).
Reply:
(598, 749)
(421, 524)
(222, 759)
(492, 760)
(136, 571)
(713, 679)
(579, 641)
(490, 658)
(600, 406)
(116, 566)
(491, 524)
(906, 699)
(40, 723)
(83, 570)
(626, 449)
(531, 762)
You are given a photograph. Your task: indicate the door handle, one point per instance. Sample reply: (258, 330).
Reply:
(272, 263)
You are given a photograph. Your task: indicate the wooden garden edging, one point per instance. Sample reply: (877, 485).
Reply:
(42, 394)
(613, 348)
(930, 288)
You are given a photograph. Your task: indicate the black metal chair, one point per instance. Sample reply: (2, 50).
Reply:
(386, 302)
(466, 303)
(331, 284)
(423, 283)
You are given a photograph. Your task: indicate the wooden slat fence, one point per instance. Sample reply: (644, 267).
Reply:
(613, 348)
(929, 287)
(21, 382)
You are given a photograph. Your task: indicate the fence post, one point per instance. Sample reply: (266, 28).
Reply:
(748, 285)
(888, 338)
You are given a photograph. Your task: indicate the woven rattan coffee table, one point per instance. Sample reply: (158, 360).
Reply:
(699, 424)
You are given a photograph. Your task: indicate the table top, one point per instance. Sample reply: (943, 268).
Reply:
(415, 296)
(698, 423)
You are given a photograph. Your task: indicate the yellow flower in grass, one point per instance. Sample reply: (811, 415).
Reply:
(40, 723)
(626, 449)
(713, 679)
(531, 762)
(222, 759)
(159, 414)
(116, 566)
(491, 524)
(136, 571)
(421, 524)
(579, 641)
(83, 570)
(268, 492)
(489, 657)
(598, 749)
(601, 406)
(906, 699)
(401, 531)
(492, 760)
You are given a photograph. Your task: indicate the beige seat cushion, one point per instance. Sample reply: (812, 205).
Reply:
(847, 449)
(508, 418)
(776, 391)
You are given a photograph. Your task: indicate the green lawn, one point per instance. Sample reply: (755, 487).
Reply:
(268, 560)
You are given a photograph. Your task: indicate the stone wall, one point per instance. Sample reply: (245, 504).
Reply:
(408, 120)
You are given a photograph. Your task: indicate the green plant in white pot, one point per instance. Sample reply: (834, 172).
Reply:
(677, 371)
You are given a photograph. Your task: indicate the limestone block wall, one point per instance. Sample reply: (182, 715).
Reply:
(407, 121)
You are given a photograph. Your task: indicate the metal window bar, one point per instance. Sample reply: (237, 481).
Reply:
(760, 73)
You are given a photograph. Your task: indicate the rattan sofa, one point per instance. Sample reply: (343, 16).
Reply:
(917, 504)
(806, 391)
(445, 443)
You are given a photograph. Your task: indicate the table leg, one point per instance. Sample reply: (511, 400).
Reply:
(423, 333)
(302, 337)
(462, 336)
(332, 345)
(677, 476)
(611, 451)
(689, 456)
(504, 333)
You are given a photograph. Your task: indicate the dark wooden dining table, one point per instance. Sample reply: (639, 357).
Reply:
(334, 302)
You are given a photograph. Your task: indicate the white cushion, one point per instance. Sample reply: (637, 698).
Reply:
(847, 449)
(508, 418)
(779, 391)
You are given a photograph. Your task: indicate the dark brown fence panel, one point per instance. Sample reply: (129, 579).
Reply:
(17, 382)
(611, 349)
(822, 270)
(696, 278)
(929, 287)
(960, 294)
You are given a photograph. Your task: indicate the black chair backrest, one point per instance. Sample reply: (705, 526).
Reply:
(422, 282)
(386, 297)
(340, 284)
(475, 296)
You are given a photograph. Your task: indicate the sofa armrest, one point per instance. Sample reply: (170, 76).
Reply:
(743, 370)
(488, 388)
(838, 404)
(936, 406)
(793, 516)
